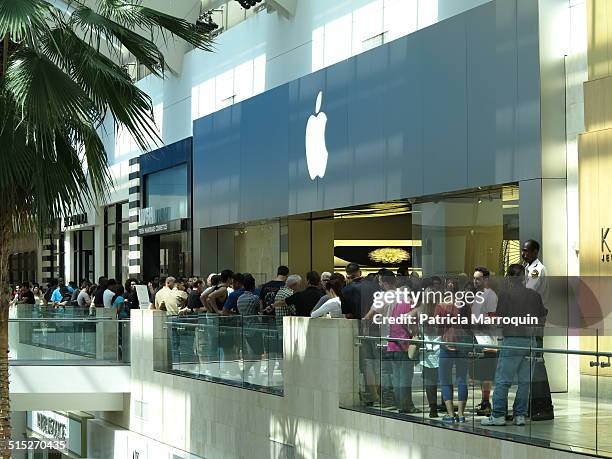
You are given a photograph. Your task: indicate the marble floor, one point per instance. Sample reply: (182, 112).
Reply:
(581, 424)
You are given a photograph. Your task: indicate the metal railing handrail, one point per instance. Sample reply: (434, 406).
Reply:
(607, 355)
(71, 319)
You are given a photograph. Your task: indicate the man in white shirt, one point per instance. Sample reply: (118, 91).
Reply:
(535, 271)
(169, 298)
(484, 367)
(109, 293)
(542, 408)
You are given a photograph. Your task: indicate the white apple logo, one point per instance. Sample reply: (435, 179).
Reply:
(316, 150)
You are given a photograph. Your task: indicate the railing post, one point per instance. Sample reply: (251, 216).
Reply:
(160, 340)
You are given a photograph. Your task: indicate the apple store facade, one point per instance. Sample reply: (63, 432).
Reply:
(428, 150)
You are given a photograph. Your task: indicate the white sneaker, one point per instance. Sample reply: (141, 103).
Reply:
(519, 420)
(492, 421)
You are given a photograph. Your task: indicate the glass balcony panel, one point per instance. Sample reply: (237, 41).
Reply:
(69, 335)
(236, 350)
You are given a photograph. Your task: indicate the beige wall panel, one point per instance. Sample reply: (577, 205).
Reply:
(594, 106)
(323, 245)
(604, 149)
(299, 247)
(598, 104)
(597, 29)
(589, 207)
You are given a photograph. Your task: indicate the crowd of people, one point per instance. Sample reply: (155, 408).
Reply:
(444, 352)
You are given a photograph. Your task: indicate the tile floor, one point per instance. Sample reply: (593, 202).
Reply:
(581, 424)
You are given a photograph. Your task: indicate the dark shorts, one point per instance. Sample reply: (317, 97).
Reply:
(370, 355)
(483, 368)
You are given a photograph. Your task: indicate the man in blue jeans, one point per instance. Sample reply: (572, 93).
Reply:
(514, 362)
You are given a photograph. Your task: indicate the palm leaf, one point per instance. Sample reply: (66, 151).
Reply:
(135, 14)
(108, 85)
(19, 17)
(45, 98)
(97, 27)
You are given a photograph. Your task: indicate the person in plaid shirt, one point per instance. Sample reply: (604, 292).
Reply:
(281, 309)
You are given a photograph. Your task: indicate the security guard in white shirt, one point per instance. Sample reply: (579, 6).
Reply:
(536, 279)
(535, 271)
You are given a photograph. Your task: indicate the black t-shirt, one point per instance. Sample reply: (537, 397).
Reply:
(27, 298)
(520, 301)
(305, 300)
(131, 300)
(269, 291)
(98, 297)
(351, 303)
(193, 300)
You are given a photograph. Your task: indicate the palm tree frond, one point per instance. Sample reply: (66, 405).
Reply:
(136, 15)
(97, 27)
(19, 18)
(46, 97)
(108, 85)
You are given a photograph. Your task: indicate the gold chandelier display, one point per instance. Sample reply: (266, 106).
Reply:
(390, 255)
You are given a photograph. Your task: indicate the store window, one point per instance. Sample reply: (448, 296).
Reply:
(446, 234)
(166, 193)
(116, 241)
(462, 230)
(22, 267)
(83, 255)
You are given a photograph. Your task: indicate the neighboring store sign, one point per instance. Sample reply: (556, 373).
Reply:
(168, 227)
(75, 220)
(58, 427)
(152, 216)
(50, 424)
(606, 252)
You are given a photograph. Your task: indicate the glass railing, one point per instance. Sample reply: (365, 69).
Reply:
(67, 336)
(443, 383)
(244, 351)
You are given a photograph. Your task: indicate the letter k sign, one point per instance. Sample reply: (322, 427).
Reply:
(604, 235)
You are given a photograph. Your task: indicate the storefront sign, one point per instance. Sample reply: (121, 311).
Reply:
(168, 227)
(606, 253)
(152, 216)
(75, 220)
(58, 427)
(51, 425)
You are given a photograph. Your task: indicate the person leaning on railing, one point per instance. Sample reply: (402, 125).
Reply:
(83, 299)
(515, 364)
(24, 295)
